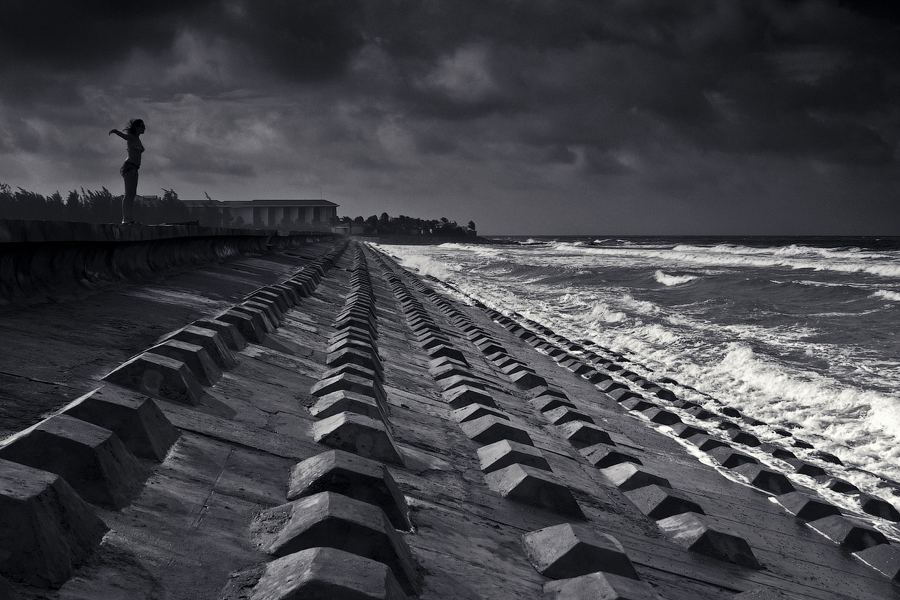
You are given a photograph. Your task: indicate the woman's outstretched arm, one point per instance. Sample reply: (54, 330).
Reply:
(124, 136)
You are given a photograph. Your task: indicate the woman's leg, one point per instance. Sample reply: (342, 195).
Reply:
(131, 181)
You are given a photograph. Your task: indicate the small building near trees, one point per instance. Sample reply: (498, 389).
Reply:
(271, 214)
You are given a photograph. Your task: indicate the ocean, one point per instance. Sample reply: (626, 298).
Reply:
(801, 333)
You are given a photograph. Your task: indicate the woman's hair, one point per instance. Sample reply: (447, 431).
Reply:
(133, 124)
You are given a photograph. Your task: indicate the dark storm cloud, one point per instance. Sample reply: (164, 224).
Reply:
(299, 40)
(674, 103)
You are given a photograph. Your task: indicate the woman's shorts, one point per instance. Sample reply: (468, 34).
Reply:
(128, 168)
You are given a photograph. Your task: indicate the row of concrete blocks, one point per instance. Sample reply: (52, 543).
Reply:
(352, 407)
(335, 537)
(675, 513)
(95, 451)
(678, 516)
(659, 415)
(513, 467)
(584, 563)
(855, 535)
(194, 357)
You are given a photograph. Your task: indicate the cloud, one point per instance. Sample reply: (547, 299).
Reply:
(661, 106)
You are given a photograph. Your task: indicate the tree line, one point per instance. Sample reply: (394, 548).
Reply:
(404, 225)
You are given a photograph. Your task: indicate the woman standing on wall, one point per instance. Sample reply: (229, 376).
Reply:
(129, 170)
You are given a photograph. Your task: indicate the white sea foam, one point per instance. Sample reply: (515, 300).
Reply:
(670, 280)
(846, 406)
(887, 295)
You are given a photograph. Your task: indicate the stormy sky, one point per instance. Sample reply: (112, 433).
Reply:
(526, 116)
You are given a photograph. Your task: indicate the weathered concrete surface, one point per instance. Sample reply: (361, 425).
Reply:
(187, 534)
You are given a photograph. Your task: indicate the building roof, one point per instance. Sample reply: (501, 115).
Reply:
(259, 203)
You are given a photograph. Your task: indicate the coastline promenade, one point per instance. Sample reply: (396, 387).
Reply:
(193, 413)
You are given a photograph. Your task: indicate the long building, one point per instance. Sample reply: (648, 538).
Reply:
(271, 213)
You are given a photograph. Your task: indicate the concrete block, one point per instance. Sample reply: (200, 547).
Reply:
(357, 371)
(706, 442)
(259, 317)
(350, 383)
(621, 394)
(550, 403)
(278, 297)
(352, 333)
(287, 292)
(327, 573)
(195, 357)
(302, 290)
(660, 502)
(603, 456)
(700, 413)
(464, 395)
(563, 414)
(638, 404)
(581, 434)
(596, 377)
(526, 380)
(489, 347)
(160, 377)
(700, 535)
(505, 452)
(210, 341)
(444, 350)
(134, 418)
(534, 487)
(443, 361)
(514, 367)
(329, 520)
(805, 468)
(665, 394)
(454, 381)
(572, 550)
(489, 429)
(450, 370)
(252, 329)
(357, 323)
(229, 334)
(358, 434)
(884, 558)
(346, 401)
(827, 457)
(46, 529)
(267, 307)
(353, 476)
(684, 431)
(763, 478)
(662, 416)
(742, 437)
(599, 586)
(475, 411)
(628, 476)
(878, 507)
(729, 457)
(727, 425)
(91, 459)
(853, 534)
(806, 508)
(835, 484)
(356, 356)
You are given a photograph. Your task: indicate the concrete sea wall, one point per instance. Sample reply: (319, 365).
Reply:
(47, 259)
(352, 430)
